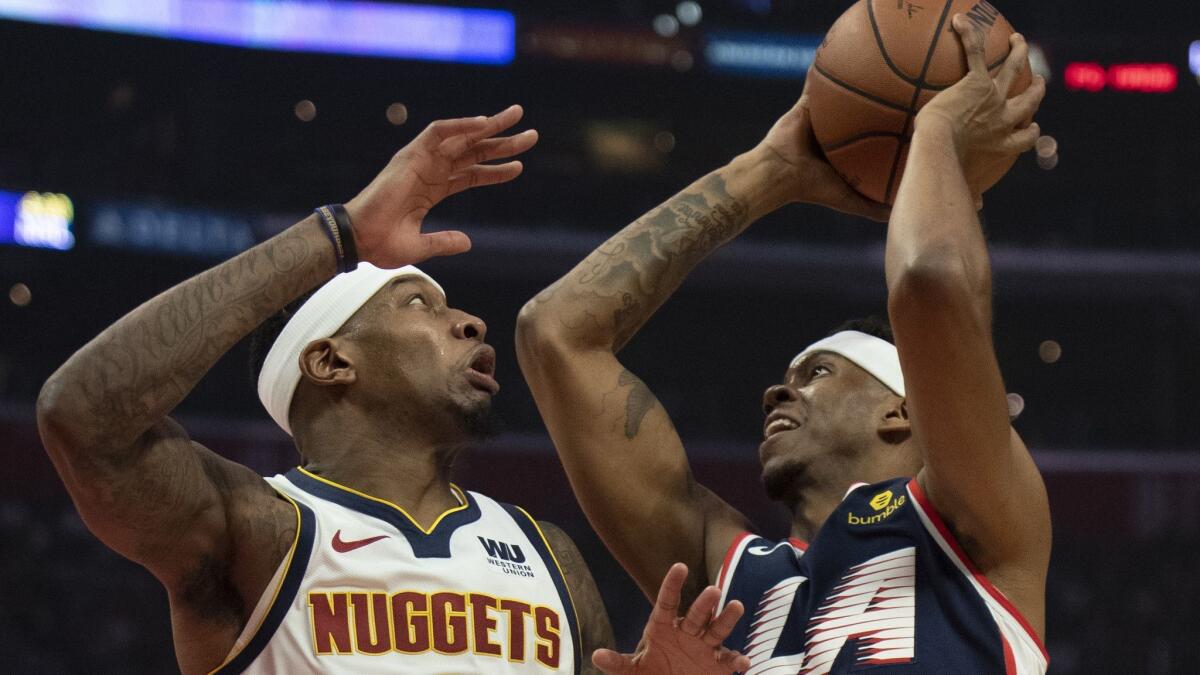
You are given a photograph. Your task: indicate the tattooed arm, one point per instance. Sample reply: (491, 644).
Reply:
(623, 456)
(139, 482)
(595, 631)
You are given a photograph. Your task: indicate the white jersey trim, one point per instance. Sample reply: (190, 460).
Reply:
(1024, 652)
(260, 610)
(570, 599)
(732, 558)
(286, 571)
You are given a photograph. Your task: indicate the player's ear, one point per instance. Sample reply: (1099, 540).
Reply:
(894, 426)
(324, 364)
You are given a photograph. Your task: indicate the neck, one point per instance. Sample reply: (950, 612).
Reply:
(812, 508)
(813, 499)
(396, 465)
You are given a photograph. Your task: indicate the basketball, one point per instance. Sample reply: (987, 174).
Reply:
(878, 65)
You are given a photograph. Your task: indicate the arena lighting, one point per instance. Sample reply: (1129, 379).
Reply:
(20, 295)
(1038, 61)
(1143, 78)
(1146, 78)
(596, 44)
(1194, 58)
(157, 228)
(354, 27)
(761, 54)
(37, 220)
(1085, 77)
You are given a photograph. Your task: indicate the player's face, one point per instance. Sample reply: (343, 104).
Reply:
(426, 357)
(820, 418)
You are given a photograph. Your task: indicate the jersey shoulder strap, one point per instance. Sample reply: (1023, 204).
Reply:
(537, 538)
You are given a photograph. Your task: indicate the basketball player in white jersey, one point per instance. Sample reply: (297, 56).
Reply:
(927, 569)
(365, 558)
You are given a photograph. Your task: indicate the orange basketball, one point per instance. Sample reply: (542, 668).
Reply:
(879, 63)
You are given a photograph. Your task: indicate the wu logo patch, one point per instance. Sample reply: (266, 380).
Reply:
(509, 558)
(501, 550)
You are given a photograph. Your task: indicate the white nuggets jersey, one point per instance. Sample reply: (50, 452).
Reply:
(365, 590)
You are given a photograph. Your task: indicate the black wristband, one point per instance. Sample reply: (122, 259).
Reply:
(340, 233)
(349, 245)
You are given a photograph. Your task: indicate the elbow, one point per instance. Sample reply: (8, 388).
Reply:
(542, 331)
(54, 415)
(63, 419)
(538, 333)
(938, 279)
(533, 327)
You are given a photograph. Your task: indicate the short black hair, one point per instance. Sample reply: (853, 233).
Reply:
(871, 325)
(268, 331)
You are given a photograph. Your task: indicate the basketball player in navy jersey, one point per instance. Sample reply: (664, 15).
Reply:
(365, 558)
(920, 530)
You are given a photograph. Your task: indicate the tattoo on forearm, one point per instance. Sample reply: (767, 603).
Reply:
(633, 273)
(640, 401)
(136, 371)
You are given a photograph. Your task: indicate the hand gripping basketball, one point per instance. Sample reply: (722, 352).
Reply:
(987, 129)
(446, 158)
(793, 145)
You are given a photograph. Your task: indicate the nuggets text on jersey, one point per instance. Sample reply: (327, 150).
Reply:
(413, 622)
(365, 589)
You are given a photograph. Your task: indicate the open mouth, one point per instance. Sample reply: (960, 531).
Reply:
(481, 373)
(778, 423)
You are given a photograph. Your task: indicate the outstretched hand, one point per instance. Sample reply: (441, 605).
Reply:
(792, 141)
(449, 156)
(988, 129)
(686, 645)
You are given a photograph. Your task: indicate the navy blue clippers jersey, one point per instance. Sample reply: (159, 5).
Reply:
(883, 588)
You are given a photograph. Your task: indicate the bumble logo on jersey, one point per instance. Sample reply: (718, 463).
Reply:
(885, 503)
(412, 622)
(881, 500)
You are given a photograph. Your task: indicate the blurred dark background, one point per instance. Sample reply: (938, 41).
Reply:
(177, 154)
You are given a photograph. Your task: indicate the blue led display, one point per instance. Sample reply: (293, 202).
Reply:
(761, 54)
(37, 220)
(423, 32)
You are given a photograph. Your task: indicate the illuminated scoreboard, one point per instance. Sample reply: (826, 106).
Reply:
(1141, 78)
(37, 220)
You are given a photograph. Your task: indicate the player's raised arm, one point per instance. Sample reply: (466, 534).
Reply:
(622, 454)
(140, 484)
(977, 471)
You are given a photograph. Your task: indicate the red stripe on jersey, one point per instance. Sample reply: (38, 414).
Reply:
(936, 518)
(1010, 661)
(737, 541)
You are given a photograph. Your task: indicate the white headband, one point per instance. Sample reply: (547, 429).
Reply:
(320, 317)
(877, 357)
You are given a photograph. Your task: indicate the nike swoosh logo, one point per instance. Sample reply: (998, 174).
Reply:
(763, 550)
(346, 546)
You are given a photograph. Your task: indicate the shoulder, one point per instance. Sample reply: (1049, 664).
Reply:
(559, 541)
(261, 528)
(566, 554)
(256, 513)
